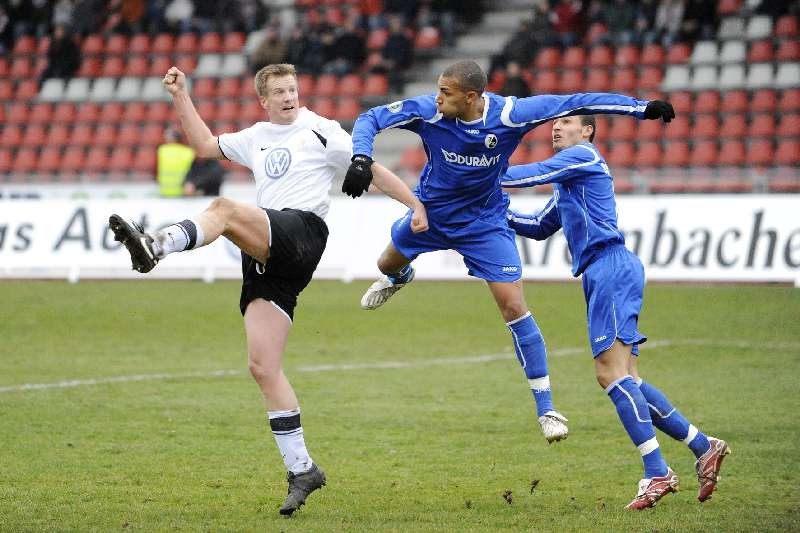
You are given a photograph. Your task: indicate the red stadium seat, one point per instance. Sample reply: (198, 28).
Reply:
(520, 156)
(207, 109)
(574, 57)
(648, 155)
(704, 154)
(144, 160)
(4, 68)
(706, 126)
(17, 113)
(681, 101)
(11, 136)
(252, 111)
(760, 153)
(621, 155)
(105, 135)
(305, 85)
(623, 129)
(58, 135)
(788, 50)
(43, 45)
(159, 112)
(140, 44)
(786, 26)
(652, 55)
(376, 85)
(350, 85)
(228, 110)
(6, 160)
(763, 100)
(234, 88)
(707, 102)
(25, 45)
(428, 38)
(112, 112)
(163, 43)
(233, 42)
(21, 68)
(677, 129)
(137, 66)
(210, 43)
(186, 62)
(65, 112)
(186, 44)
(548, 58)
(762, 125)
(27, 90)
(96, 159)
(82, 135)
(90, 67)
(92, 45)
(129, 135)
(545, 82)
(676, 154)
(787, 152)
(598, 80)
(159, 65)
(121, 159)
(734, 102)
(596, 32)
(327, 85)
(650, 78)
(627, 56)
(25, 161)
(49, 159)
(679, 54)
(732, 153)
(113, 67)
(204, 88)
(760, 52)
(73, 159)
(152, 134)
(600, 56)
(117, 44)
(89, 112)
(6, 90)
(324, 107)
(413, 159)
(35, 135)
(376, 39)
(572, 81)
(541, 151)
(789, 100)
(789, 126)
(733, 125)
(651, 130)
(348, 109)
(41, 113)
(728, 7)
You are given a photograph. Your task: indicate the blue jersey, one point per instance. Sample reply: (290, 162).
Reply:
(461, 180)
(583, 202)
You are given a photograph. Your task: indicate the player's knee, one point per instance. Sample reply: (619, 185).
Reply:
(223, 207)
(261, 372)
(513, 309)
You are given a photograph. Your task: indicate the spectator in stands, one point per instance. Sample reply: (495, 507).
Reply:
(63, 56)
(298, 49)
(515, 84)
(699, 20)
(271, 51)
(397, 54)
(173, 162)
(407, 9)
(446, 11)
(88, 16)
(6, 32)
(619, 17)
(566, 19)
(62, 13)
(204, 178)
(668, 20)
(348, 50)
(178, 15)
(540, 27)
(645, 22)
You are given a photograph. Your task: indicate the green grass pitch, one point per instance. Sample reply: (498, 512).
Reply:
(410, 441)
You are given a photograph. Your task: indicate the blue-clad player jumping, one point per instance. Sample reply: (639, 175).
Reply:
(613, 282)
(468, 136)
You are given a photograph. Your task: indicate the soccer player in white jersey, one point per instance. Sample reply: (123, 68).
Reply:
(294, 157)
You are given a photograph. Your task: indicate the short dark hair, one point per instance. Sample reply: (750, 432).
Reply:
(469, 74)
(589, 120)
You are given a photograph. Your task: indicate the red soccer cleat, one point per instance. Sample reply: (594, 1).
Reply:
(652, 490)
(708, 465)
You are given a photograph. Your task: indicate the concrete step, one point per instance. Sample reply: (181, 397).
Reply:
(486, 43)
(507, 21)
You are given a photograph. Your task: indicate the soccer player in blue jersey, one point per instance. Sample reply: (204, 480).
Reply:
(468, 136)
(583, 205)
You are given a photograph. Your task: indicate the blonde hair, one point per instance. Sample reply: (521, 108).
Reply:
(276, 70)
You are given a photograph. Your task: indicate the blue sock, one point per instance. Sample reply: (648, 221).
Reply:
(402, 276)
(671, 421)
(632, 411)
(532, 355)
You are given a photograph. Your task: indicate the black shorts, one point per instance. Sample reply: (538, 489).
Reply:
(298, 240)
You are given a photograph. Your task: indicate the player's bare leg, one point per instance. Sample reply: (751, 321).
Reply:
(709, 451)
(245, 225)
(267, 329)
(397, 273)
(532, 354)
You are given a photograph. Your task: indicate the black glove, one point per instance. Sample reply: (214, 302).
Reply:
(358, 177)
(659, 109)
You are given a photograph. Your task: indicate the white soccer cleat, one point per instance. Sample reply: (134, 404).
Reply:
(380, 291)
(553, 426)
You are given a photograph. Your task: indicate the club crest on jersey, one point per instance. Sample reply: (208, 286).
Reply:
(490, 141)
(277, 162)
(395, 107)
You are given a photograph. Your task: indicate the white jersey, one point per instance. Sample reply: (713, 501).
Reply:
(293, 164)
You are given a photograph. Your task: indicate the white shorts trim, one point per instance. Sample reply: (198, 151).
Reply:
(284, 313)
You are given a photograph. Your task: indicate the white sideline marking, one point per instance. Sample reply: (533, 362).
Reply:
(389, 364)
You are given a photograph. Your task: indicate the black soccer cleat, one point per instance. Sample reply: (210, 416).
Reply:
(138, 243)
(300, 486)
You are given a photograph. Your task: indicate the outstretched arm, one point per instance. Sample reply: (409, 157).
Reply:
(566, 164)
(199, 136)
(392, 186)
(538, 226)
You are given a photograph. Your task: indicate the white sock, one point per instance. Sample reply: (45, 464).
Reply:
(288, 434)
(178, 237)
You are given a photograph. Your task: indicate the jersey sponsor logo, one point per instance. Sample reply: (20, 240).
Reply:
(470, 160)
(473, 132)
(277, 163)
(510, 269)
(395, 107)
(490, 141)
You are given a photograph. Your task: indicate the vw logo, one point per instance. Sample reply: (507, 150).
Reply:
(277, 163)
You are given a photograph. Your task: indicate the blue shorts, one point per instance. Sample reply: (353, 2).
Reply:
(489, 248)
(613, 285)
